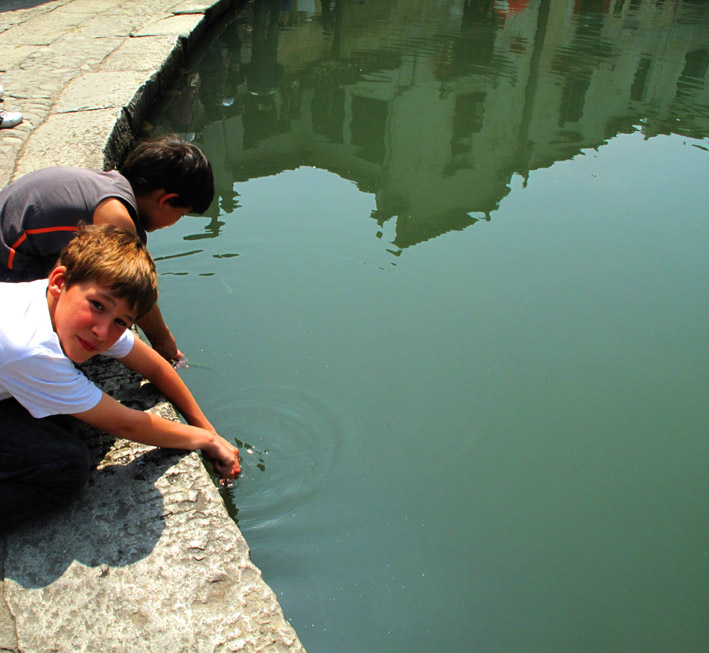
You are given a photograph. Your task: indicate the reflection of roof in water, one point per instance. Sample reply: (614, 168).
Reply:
(412, 232)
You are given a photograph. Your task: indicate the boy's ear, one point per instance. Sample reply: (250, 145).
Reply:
(57, 280)
(165, 197)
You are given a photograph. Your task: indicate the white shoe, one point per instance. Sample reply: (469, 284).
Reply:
(9, 119)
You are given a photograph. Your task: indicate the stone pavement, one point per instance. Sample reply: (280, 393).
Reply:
(149, 559)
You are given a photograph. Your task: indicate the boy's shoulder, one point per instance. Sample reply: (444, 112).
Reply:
(45, 179)
(24, 315)
(20, 296)
(33, 366)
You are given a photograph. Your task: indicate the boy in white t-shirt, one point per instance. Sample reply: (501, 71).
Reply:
(103, 282)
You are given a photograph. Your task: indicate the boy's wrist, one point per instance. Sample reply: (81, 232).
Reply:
(209, 447)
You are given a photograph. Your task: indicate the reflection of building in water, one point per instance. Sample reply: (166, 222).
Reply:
(613, 67)
(435, 126)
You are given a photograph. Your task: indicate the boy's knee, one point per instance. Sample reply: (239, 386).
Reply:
(80, 468)
(70, 475)
(32, 487)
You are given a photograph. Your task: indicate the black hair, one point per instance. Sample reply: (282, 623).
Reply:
(172, 164)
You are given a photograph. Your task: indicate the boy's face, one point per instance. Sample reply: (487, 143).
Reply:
(87, 318)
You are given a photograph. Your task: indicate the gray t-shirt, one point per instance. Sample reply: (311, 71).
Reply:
(39, 213)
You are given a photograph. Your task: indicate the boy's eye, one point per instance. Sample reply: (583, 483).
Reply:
(122, 323)
(97, 305)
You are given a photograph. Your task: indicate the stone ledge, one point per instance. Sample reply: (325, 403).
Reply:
(72, 139)
(147, 560)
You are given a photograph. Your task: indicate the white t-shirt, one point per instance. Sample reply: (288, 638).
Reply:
(33, 368)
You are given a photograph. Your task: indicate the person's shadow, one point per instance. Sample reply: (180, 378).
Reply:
(117, 522)
(121, 515)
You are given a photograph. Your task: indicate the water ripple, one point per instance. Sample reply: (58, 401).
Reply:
(289, 442)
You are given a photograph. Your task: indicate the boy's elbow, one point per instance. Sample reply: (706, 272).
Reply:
(131, 425)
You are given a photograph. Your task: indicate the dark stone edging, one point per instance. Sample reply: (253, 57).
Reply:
(133, 116)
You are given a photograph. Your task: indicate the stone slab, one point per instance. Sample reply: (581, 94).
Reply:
(139, 532)
(73, 139)
(188, 26)
(14, 55)
(117, 89)
(71, 55)
(15, 12)
(88, 7)
(111, 22)
(18, 85)
(42, 29)
(8, 634)
(145, 53)
(10, 145)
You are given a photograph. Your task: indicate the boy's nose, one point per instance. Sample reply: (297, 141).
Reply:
(101, 329)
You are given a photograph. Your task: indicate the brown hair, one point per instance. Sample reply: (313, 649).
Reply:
(114, 258)
(174, 165)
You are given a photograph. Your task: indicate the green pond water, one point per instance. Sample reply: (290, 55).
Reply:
(452, 301)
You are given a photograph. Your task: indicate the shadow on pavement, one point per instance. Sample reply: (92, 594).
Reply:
(117, 522)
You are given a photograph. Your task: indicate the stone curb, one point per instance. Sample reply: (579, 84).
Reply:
(148, 559)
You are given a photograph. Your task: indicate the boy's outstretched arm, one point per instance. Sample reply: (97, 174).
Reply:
(117, 419)
(113, 417)
(113, 211)
(153, 325)
(153, 367)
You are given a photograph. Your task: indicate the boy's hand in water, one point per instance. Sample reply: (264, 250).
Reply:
(224, 456)
(179, 363)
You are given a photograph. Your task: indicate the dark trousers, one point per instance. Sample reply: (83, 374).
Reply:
(42, 465)
(10, 276)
